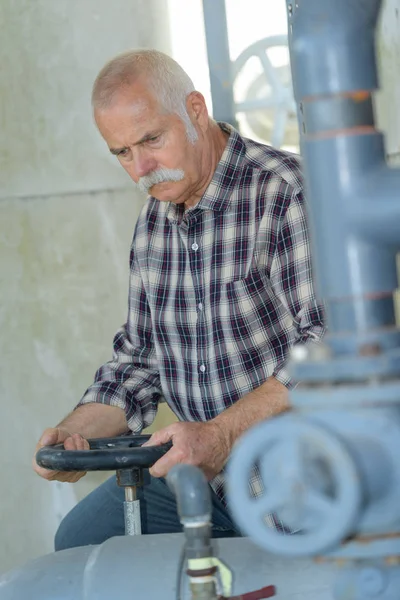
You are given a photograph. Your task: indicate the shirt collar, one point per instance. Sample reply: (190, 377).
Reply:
(218, 194)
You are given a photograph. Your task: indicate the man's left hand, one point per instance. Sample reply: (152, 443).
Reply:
(201, 444)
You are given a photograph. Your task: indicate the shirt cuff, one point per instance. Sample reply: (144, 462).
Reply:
(281, 374)
(111, 395)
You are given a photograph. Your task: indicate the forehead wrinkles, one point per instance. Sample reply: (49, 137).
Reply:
(123, 124)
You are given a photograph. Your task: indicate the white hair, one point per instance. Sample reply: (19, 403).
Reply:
(170, 84)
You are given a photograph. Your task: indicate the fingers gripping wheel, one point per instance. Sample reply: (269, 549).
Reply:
(105, 454)
(310, 483)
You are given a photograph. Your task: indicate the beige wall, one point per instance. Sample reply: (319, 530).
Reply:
(67, 214)
(388, 98)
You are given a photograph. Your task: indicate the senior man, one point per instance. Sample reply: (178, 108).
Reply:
(220, 288)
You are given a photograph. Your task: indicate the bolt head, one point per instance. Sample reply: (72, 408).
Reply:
(372, 582)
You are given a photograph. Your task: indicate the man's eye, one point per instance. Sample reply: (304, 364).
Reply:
(154, 139)
(123, 152)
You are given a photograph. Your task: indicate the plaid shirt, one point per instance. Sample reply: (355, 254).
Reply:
(217, 295)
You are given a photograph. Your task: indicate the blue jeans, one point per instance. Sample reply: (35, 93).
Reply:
(100, 515)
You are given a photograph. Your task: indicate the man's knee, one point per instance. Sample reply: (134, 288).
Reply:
(95, 519)
(77, 529)
(65, 535)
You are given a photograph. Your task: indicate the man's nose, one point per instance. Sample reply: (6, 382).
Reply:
(143, 165)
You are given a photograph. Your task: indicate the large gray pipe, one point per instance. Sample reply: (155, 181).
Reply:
(146, 566)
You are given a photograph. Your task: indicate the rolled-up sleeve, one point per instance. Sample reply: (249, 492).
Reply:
(131, 379)
(292, 281)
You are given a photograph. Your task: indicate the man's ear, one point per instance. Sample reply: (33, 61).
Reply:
(197, 110)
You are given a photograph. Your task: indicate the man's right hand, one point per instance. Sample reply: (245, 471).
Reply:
(72, 441)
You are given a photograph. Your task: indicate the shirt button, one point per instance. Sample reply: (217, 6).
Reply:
(200, 306)
(195, 247)
(202, 368)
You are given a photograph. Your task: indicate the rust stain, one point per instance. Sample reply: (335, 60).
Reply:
(360, 130)
(356, 95)
(360, 96)
(391, 560)
(368, 539)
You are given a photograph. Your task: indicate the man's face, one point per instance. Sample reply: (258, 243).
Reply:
(151, 145)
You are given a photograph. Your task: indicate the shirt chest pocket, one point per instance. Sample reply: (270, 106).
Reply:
(250, 311)
(250, 296)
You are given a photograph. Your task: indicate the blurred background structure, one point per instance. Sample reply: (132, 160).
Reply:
(68, 210)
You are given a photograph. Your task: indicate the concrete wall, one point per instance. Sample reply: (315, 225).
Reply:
(67, 214)
(388, 99)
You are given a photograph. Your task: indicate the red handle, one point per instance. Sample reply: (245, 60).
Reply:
(266, 592)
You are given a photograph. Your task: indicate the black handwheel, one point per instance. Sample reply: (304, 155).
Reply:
(105, 454)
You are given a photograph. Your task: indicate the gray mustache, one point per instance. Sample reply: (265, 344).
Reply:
(159, 176)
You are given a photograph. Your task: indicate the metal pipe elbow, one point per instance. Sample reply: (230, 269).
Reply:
(192, 493)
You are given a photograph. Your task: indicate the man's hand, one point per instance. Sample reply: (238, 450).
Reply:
(208, 445)
(201, 444)
(73, 441)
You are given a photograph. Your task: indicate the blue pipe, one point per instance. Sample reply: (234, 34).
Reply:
(352, 193)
